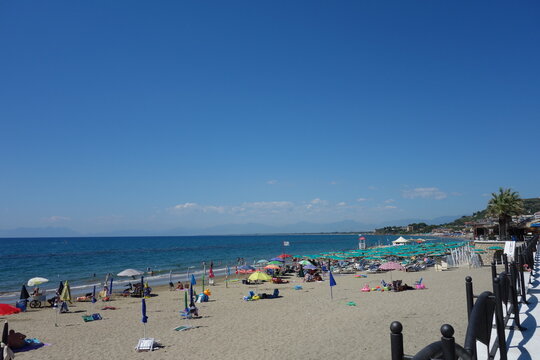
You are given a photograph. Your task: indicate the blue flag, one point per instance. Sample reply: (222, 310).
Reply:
(193, 282)
(332, 281)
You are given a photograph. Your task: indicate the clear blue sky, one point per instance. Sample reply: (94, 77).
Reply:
(152, 115)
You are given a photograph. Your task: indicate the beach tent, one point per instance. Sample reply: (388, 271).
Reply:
(400, 241)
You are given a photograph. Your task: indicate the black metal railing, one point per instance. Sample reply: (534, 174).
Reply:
(508, 286)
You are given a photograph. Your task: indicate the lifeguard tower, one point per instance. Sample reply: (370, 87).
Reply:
(361, 242)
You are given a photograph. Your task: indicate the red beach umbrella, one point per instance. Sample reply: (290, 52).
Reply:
(6, 309)
(283, 256)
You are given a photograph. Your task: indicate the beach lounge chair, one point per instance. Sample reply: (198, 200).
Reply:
(419, 285)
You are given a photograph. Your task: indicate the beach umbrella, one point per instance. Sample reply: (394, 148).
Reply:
(130, 272)
(304, 262)
(310, 267)
(144, 317)
(259, 276)
(110, 285)
(5, 333)
(278, 263)
(262, 261)
(66, 292)
(6, 309)
(391, 265)
(283, 256)
(24, 293)
(272, 266)
(277, 259)
(37, 281)
(191, 296)
(60, 288)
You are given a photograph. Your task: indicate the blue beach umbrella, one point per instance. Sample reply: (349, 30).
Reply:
(144, 317)
(193, 281)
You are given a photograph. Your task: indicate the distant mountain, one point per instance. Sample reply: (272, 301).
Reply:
(40, 232)
(227, 229)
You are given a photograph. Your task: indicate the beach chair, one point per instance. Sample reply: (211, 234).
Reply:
(145, 344)
(419, 285)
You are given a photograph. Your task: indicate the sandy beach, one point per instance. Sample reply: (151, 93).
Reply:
(303, 323)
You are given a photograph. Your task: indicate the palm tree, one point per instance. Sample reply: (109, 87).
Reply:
(503, 205)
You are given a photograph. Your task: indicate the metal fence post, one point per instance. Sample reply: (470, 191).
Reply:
(396, 340)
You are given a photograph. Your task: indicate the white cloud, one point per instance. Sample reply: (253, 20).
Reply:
(361, 199)
(187, 205)
(390, 207)
(56, 219)
(343, 203)
(389, 201)
(271, 182)
(424, 193)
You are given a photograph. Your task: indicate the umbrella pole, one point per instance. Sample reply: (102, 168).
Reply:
(331, 294)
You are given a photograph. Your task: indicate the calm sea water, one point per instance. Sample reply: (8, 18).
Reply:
(86, 261)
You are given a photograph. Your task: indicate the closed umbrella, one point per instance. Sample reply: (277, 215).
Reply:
(66, 292)
(5, 333)
(110, 286)
(144, 317)
(24, 293)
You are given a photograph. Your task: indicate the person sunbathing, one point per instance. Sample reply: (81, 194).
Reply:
(180, 286)
(16, 339)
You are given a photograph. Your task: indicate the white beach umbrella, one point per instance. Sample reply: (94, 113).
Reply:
(37, 281)
(130, 272)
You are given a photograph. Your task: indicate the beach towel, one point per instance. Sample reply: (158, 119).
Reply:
(31, 344)
(183, 327)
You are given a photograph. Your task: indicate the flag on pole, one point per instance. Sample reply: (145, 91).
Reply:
(332, 280)
(332, 283)
(286, 243)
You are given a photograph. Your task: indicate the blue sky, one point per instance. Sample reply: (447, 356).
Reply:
(137, 115)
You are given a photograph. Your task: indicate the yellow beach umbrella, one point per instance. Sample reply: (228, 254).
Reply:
(259, 276)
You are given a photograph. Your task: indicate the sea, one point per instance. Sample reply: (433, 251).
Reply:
(86, 261)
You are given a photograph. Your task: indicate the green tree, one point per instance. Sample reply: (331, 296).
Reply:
(503, 205)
